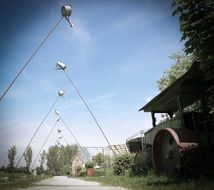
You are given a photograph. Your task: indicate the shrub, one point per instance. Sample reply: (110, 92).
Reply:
(190, 165)
(139, 169)
(122, 163)
(79, 168)
(89, 164)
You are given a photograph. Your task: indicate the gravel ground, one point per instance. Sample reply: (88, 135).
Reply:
(65, 183)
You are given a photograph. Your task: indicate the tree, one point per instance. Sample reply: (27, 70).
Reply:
(99, 158)
(28, 157)
(181, 66)
(42, 161)
(196, 19)
(67, 154)
(59, 158)
(53, 160)
(11, 157)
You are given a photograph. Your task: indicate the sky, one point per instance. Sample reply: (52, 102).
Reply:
(114, 53)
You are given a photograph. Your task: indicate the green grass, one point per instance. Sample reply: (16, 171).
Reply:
(151, 182)
(21, 181)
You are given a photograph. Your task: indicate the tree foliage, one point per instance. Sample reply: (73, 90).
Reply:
(122, 163)
(196, 19)
(181, 66)
(99, 159)
(42, 161)
(59, 158)
(11, 157)
(28, 157)
(53, 160)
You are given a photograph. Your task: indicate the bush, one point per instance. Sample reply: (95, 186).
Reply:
(40, 170)
(89, 164)
(139, 170)
(79, 168)
(152, 179)
(82, 173)
(122, 163)
(190, 165)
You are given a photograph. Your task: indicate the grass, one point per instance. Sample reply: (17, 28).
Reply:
(151, 182)
(21, 181)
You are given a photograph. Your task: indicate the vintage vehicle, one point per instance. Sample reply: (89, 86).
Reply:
(183, 132)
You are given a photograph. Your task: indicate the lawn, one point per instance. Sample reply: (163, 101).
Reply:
(21, 181)
(151, 182)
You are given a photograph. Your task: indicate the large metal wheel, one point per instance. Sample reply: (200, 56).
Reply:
(168, 147)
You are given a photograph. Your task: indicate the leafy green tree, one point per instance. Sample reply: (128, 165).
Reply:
(99, 158)
(67, 154)
(53, 160)
(42, 161)
(196, 19)
(181, 66)
(11, 157)
(59, 158)
(28, 157)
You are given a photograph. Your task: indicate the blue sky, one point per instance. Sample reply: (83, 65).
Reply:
(115, 53)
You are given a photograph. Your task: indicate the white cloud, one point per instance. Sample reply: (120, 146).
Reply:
(79, 34)
(81, 39)
(140, 19)
(19, 133)
(102, 97)
(128, 21)
(101, 101)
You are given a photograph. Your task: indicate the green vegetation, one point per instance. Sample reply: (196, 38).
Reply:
(196, 19)
(20, 181)
(151, 181)
(40, 169)
(122, 163)
(59, 158)
(121, 175)
(89, 164)
(28, 157)
(99, 159)
(181, 65)
(11, 156)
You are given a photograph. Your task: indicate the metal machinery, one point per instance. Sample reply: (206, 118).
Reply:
(183, 132)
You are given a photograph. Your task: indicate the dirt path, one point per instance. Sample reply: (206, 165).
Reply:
(65, 183)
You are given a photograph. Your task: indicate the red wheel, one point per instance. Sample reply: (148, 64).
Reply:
(168, 147)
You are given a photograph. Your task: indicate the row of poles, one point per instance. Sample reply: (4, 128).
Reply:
(65, 12)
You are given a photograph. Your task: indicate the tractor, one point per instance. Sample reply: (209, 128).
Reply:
(185, 137)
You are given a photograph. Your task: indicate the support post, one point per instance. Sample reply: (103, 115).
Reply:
(180, 110)
(153, 119)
